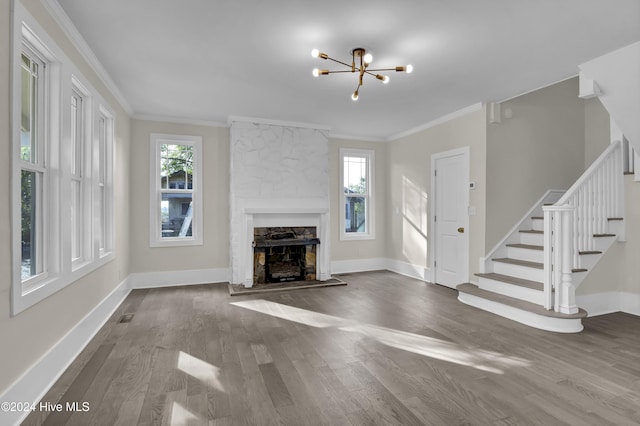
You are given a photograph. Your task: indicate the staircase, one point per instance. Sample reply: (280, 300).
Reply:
(532, 274)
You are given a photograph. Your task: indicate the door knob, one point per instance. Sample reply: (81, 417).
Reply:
(461, 230)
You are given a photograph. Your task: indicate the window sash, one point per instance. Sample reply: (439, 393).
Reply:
(356, 175)
(174, 178)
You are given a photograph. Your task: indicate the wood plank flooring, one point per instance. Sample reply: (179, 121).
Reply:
(386, 349)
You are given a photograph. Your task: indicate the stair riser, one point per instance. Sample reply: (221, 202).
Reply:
(518, 292)
(527, 318)
(533, 239)
(537, 224)
(518, 271)
(525, 254)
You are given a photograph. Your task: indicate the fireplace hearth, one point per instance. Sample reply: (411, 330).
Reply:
(284, 254)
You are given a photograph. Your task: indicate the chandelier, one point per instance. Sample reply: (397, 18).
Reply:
(360, 64)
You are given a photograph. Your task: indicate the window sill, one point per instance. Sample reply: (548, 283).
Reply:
(40, 290)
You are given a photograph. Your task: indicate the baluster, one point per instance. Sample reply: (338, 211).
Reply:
(578, 223)
(548, 258)
(557, 258)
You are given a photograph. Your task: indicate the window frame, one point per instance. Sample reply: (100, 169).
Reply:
(369, 233)
(80, 171)
(155, 190)
(55, 151)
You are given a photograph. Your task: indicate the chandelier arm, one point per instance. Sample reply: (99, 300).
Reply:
(383, 69)
(340, 62)
(336, 72)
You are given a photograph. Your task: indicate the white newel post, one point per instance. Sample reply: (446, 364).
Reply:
(558, 260)
(567, 302)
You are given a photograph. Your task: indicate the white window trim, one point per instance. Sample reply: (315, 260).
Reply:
(104, 229)
(84, 174)
(59, 271)
(155, 220)
(371, 208)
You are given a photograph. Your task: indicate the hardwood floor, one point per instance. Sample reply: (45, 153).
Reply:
(386, 349)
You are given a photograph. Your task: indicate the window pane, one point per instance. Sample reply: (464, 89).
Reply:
(176, 166)
(28, 109)
(76, 133)
(102, 237)
(177, 214)
(355, 214)
(355, 175)
(29, 190)
(76, 220)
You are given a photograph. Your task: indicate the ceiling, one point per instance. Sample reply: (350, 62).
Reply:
(204, 60)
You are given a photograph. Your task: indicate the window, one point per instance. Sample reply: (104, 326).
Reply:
(176, 200)
(104, 171)
(357, 204)
(33, 168)
(79, 167)
(59, 165)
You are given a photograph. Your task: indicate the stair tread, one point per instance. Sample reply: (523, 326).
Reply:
(518, 262)
(516, 303)
(521, 282)
(531, 231)
(526, 246)
(603, 235)
(537, 217)
(615, 218)
(590, 252)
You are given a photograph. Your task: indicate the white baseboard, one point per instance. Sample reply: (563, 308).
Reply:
(37, 380)
(409, 270)
(358, 265)
(174, 278)
(609, 302)
(378, 263)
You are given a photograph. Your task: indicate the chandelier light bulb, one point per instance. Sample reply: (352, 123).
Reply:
(409, 69)
(316, 72)
(315, 53)
(385, 79)
(367, 58)
(355, 96)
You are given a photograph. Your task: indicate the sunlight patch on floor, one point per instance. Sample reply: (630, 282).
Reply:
(431, 347)
(180, 416)
(207, 373)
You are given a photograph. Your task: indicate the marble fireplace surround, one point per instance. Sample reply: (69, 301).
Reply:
(279, 177)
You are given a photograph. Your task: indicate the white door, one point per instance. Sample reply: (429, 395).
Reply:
(450, 174)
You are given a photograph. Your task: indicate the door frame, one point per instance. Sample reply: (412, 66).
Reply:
(465, 152)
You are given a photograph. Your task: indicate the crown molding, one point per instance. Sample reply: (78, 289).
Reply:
(70, 30)
(179, 120)
(448, 117)
(234, 118)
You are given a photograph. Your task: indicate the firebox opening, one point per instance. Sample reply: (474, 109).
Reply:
(284, 254)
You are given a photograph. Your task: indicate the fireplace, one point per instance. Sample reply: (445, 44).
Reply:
(283, 254)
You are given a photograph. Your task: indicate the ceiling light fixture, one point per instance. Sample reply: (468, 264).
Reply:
(363, 59)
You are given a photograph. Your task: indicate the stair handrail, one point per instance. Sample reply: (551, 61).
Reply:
(571, 224)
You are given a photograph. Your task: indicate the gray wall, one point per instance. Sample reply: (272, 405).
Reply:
(540, 147)
(409, 172)
(30, 334)
(214, 253)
